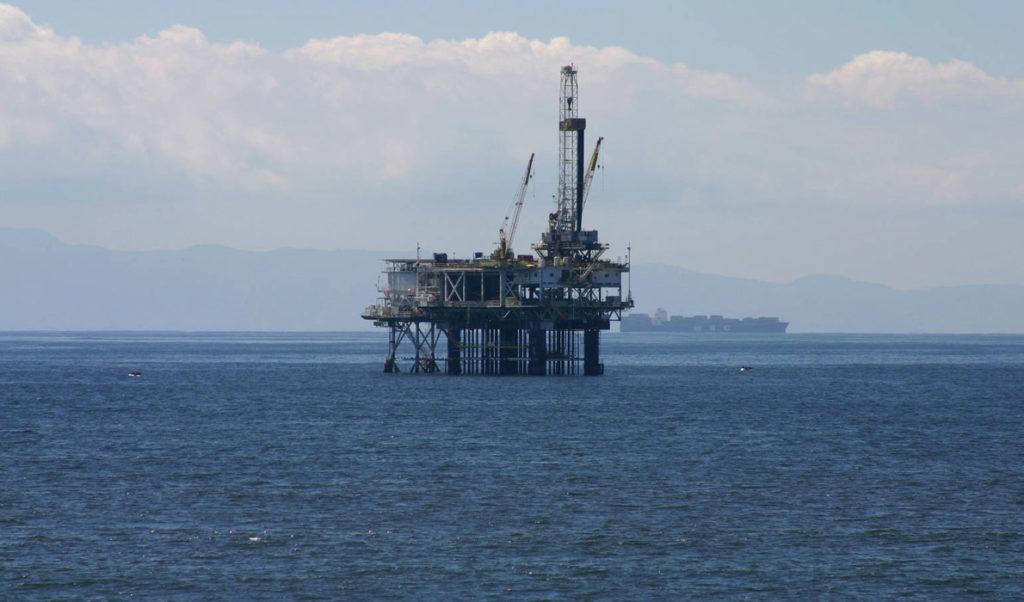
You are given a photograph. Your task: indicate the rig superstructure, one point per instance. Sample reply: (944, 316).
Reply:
(508, 314)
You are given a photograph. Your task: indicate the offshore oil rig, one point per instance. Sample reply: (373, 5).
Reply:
(509, 314)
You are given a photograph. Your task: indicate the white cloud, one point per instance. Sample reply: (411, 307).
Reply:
(880, 78)
(370, 104)
(175, 97)
(15, 26)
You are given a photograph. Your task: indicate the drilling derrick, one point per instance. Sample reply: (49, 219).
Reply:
(507, 314)
(569, 214)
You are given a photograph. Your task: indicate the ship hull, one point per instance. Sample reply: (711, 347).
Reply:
(703, 324)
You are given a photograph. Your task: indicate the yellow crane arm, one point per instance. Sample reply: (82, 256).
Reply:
(505, 239)
(590, 171)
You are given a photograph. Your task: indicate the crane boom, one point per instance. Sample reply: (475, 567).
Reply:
(505, 239)
(590, 170)
(519, 200)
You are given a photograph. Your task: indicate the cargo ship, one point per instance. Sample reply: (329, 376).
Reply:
(661, 322)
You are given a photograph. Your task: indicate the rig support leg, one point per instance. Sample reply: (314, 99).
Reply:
(454, 349)
(508, 350)
(538, 352)
(394, 338)
(592, 365)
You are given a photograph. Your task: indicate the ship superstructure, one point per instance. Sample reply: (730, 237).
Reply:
(509, 314)
(702, 324)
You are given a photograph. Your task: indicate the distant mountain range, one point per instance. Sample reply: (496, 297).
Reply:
(49, 285)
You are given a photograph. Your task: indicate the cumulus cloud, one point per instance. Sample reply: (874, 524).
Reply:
(175, 96)
(879, 79)
(16, 26)
(239, 114)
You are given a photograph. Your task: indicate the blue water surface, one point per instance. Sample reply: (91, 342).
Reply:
(287, 466)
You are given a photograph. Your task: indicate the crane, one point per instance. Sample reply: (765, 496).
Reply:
(504, 250)
(590, 170)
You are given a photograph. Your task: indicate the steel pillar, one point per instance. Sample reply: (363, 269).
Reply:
(538, 352)
(454, 351)
(508, 350)
(592, 365)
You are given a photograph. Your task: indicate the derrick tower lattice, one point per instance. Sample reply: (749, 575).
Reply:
(569, 214)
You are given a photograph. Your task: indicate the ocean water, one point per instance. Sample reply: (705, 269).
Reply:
(287, 466)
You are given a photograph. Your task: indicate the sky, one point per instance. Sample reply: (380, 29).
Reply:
(880, 141)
